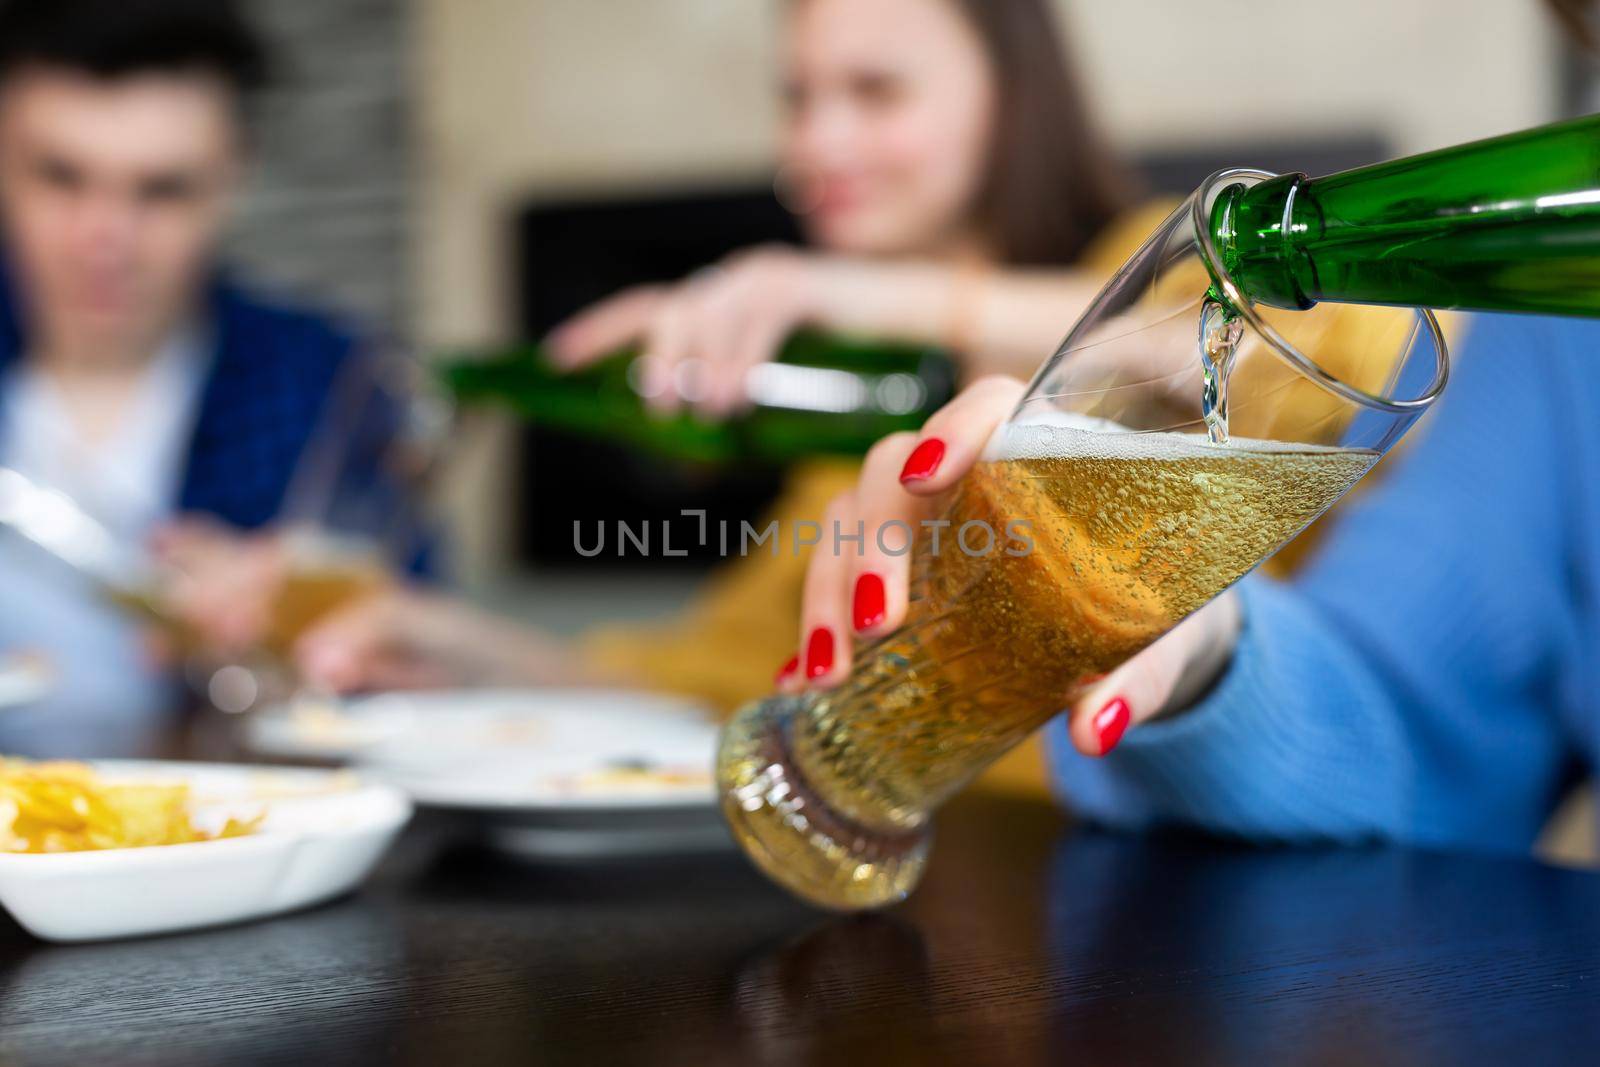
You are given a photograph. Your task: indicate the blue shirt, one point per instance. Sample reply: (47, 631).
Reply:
(266, 379)
(1434, 676)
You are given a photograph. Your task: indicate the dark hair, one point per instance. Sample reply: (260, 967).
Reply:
(113, 39)
(1577, 18)
(1052, 183)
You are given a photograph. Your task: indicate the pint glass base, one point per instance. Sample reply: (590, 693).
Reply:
(792, 835)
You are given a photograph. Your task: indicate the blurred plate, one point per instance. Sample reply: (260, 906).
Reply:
(343, 730)
(572, 773)
(323, 833)
(23, 680)
(324, 730)
(565, 750)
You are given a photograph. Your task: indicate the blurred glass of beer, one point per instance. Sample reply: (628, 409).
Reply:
(311, 575)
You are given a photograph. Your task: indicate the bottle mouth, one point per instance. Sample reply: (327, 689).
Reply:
(1201, 205)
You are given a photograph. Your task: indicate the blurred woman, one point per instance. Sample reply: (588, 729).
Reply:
(1430, 678)
(954, 191)
(946, 173)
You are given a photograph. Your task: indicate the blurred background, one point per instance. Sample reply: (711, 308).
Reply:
(447, 169)
(458, 177)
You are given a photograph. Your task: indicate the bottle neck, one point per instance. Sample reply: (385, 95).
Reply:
(1253, 228)
(1507, 224)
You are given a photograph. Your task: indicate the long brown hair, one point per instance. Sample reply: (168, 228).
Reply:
(1577, 17)
(1052, 184)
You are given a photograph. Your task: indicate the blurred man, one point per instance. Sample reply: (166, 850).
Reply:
(131, 376)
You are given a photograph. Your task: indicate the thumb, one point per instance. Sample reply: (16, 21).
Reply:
(1171, 674)
(339, 652)
(599, 330)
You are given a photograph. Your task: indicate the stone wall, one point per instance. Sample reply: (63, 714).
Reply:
(325, 218)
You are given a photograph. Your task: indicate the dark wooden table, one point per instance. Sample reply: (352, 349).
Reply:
(1029, 943)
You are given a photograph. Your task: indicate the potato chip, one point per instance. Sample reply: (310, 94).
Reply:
(70, 807)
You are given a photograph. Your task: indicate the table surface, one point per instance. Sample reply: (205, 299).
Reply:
(1030, 942)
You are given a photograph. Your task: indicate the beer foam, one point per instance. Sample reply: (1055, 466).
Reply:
(1064, 434)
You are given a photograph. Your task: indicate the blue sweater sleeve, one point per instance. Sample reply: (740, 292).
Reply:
(1401, 688)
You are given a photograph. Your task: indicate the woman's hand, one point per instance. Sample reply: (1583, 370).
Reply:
(406, 639)
(700, 337)
(865, 594)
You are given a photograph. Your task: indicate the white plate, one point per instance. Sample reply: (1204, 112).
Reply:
(22, 681)
(322, 835)
(319, 730)
(573, 751)
(314, 729)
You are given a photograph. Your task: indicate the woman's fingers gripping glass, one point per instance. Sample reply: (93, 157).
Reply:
(853, 578)
(1167, 677)
(953, 439)
(879, 575)
(864, 592)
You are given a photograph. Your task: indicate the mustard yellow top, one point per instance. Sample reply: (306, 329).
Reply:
(726, 646)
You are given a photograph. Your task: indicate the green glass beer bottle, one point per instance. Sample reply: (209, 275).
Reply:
(824, 394)
(1510, 223)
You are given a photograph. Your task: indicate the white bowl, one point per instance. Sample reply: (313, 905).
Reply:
(321, 837)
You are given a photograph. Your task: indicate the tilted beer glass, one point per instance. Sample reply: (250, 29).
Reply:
(1179, 437)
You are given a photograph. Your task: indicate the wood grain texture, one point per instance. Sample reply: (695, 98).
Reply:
(1029, 943)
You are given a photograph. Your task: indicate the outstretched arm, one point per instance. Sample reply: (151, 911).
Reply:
(1407, 686)
(737, 314)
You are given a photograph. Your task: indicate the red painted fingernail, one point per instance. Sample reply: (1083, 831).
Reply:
(819, 652)
(869, 606)
(1110, 723)
(788, 670)
(924, 461)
